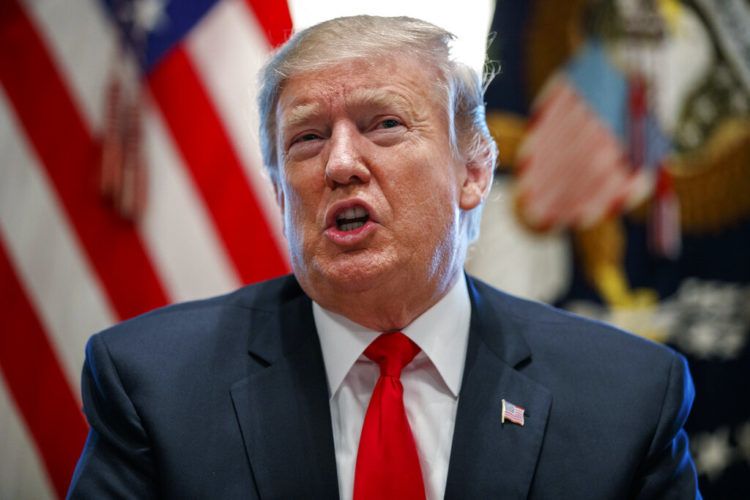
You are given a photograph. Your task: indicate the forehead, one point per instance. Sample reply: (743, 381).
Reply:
(400, 82)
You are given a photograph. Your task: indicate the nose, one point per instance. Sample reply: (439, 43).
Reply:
(346, 164)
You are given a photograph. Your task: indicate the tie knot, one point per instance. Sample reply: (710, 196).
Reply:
(392, 351)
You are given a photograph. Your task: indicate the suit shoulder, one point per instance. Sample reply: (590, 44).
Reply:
(187, 321)
(562, 334)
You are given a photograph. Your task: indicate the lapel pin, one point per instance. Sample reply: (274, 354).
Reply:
(512, 413)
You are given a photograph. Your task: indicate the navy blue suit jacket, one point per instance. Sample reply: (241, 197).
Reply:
(227, 398)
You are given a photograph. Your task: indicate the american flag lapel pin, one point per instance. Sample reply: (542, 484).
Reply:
(512, 413)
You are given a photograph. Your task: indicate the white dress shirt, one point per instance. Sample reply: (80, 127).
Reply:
(431, 384)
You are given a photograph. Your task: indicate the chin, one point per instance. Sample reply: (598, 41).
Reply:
(355, 273)
(354, 280)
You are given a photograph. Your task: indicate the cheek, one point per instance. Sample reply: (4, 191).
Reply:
(298, 185)
(437, 204)
(301, 200)
(430, 209)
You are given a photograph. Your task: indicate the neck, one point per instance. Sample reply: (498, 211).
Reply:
(390, 306)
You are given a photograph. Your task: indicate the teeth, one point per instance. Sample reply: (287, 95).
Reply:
(352, 218)
(351, 226)
(352, 213)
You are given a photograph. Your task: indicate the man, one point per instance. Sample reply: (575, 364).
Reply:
(376, 144)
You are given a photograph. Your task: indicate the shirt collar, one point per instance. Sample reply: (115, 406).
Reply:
(442, 332)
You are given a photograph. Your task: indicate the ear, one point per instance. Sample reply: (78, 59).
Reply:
(478, 180)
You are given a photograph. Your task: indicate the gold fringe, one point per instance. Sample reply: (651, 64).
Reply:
(508, 130)
(554, 35)
(713, 184)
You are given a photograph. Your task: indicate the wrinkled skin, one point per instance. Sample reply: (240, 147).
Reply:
(373, 134)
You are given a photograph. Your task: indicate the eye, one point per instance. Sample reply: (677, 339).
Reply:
(306, 138)
(304, 145)
(390, 123)
(387, 130)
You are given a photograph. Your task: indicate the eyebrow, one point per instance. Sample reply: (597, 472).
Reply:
(379, 98)
(301, 114)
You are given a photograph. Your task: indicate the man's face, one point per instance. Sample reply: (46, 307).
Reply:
(369, 186)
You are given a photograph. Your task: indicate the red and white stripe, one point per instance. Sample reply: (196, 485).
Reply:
(512, 413)
(573, 171)
(70, 266)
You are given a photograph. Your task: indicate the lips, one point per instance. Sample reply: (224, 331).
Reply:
(352, 213)
(349, 222)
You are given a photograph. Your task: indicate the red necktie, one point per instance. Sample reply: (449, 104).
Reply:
(387, 460)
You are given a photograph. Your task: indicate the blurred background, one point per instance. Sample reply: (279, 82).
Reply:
(130, 178)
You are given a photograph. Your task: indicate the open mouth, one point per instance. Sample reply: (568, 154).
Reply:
(352, 218)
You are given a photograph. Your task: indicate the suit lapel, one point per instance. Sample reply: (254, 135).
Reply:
(487, 457)
(282, 406)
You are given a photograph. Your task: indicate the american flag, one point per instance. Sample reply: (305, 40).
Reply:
(130, 178)
(573, 166)
(512, 413)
